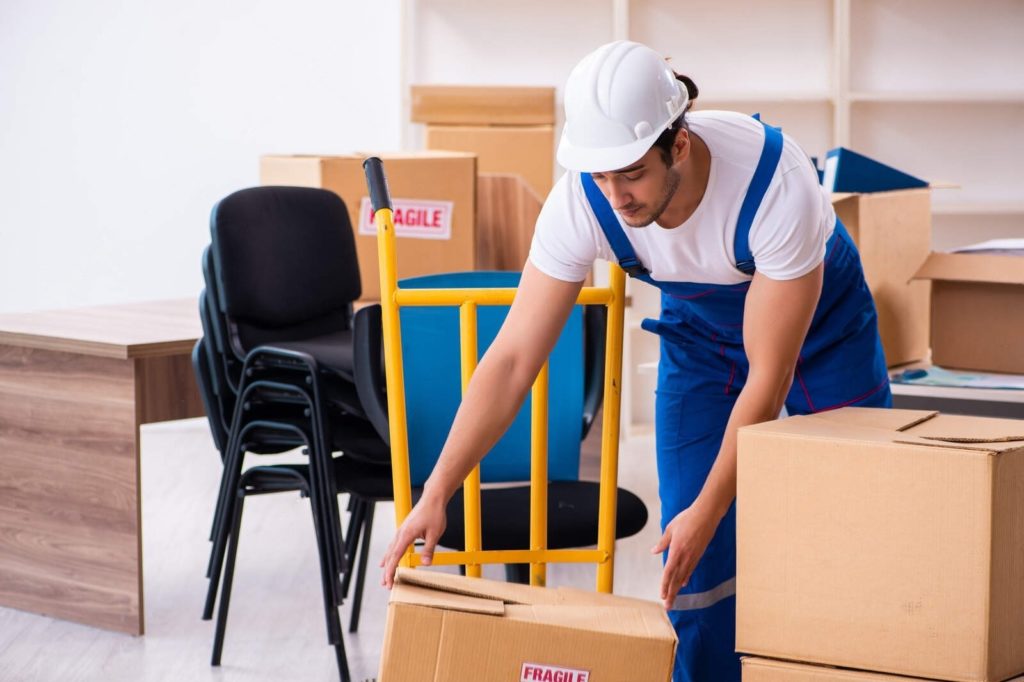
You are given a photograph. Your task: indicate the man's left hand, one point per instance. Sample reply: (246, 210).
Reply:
(686, 537)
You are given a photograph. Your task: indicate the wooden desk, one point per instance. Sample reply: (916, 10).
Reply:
(75, 385)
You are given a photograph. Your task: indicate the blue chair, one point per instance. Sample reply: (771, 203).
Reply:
(431, 358)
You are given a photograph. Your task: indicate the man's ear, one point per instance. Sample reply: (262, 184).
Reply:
(681, 146)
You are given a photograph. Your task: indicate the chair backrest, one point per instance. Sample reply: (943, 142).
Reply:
(285, 264)
(204, 369)
(433, 385)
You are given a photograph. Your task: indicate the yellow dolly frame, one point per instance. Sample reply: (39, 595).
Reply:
(538, 555)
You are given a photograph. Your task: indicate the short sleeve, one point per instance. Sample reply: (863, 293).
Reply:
(564, 241)
(792, 227)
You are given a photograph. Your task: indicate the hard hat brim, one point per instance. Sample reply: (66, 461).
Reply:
(602, 160)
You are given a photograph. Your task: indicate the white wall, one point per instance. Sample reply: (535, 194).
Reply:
(121, 123)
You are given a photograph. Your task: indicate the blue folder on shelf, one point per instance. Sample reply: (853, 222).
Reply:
(848, 171)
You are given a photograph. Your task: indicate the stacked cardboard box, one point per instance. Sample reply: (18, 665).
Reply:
(766, 670)
(434, 198)
(442, 628)
(511, 131)
(893, 232)
(977, 311)
(889, 541)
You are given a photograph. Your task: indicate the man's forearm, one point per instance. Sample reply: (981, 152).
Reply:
(759, 401)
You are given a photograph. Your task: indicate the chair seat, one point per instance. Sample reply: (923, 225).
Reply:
(333, 351)
(572, 516)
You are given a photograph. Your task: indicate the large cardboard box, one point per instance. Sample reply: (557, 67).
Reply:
(886, 540)
(434, 199)
(893, 232)
(977, 317)
(528, 151)
(442, 628)
(483, 105)
(766, 670)
(507, 211)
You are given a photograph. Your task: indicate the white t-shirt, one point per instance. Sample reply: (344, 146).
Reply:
(787, 237)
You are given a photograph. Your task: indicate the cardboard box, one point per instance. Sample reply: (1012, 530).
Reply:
(442, 628)
(434, 198)
(766, 670)
(893, 232)
(483, 105)
(507, 211)
(528, 151)
(886, 540)
(977, 315)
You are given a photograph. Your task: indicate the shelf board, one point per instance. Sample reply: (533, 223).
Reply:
(978, 208)
(763, 98)
(946, 97)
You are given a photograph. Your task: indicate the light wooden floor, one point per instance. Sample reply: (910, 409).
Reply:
(276, 626)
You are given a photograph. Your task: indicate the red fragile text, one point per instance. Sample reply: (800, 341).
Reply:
(416, 217)
(545, 673)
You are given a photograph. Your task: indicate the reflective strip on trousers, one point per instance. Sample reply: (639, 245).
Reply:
(702, 600)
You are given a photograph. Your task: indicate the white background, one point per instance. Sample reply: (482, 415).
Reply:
(121, 123)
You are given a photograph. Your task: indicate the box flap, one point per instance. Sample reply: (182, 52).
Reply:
(995, 435)
(437, 599)
(482, 105)
(966, 267)
(617, 620)
(877, 418)
(507, 593)
(905, 427)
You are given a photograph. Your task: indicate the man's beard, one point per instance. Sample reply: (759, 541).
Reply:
(672, 181)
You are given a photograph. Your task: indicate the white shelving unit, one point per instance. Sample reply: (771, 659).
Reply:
(932, 87)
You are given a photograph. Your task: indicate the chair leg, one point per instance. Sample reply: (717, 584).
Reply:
(352, 542)
(229, 573)
(353, 519)
(364, 552)
(229, 480)
(328, 580)
(323, 555)
(339, 654)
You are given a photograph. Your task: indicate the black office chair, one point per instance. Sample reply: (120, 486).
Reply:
(282, 274)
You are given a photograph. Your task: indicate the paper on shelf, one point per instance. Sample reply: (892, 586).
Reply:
(937, 376)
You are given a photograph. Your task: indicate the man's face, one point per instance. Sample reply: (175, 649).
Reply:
(641, 191)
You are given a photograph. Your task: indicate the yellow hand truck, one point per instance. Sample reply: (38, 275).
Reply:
(468, 300)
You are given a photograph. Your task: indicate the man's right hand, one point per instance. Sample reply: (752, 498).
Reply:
(426, 522)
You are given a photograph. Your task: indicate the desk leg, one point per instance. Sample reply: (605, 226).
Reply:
(70, 526)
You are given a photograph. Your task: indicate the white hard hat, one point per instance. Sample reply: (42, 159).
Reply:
(618, 100)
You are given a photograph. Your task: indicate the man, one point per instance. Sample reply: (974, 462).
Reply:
(764, 305)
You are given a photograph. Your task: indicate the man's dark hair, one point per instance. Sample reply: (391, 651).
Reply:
(668, 136)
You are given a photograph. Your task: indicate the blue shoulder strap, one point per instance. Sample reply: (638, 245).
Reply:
(612, 229)
(770, 155)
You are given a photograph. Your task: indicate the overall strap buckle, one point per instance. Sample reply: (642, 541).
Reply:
(747, 267)
(633, 267)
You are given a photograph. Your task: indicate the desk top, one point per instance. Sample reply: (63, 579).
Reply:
(131, 330)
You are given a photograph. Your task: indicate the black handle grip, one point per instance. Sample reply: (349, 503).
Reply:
(377, 182)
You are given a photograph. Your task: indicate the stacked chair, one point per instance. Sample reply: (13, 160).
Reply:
(275, 367)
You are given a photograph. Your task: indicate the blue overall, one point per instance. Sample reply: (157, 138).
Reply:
(702, 369)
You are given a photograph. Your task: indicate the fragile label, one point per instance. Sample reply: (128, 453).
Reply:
(416, 218)
(534, 672)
